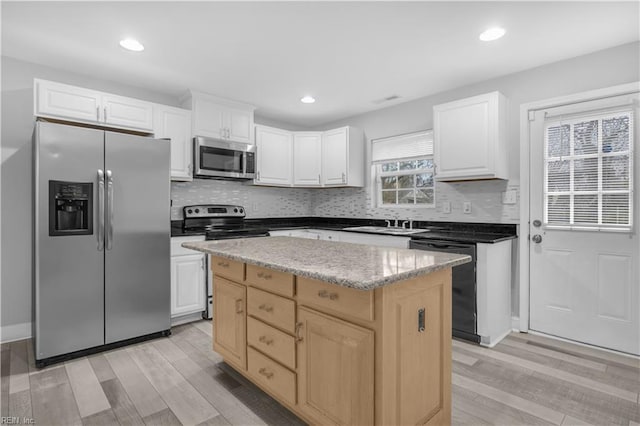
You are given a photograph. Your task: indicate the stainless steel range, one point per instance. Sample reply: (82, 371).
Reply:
(218, 222)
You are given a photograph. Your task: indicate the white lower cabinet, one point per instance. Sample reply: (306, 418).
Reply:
(188, 278)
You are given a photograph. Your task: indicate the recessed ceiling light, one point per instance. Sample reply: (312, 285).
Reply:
(308, 99)
(132, 44)
(492, 34)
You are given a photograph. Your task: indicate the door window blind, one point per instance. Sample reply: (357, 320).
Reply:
(589, 172)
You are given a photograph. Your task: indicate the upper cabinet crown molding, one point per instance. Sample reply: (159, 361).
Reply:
(72, 103)
(470, 138)
(220, 118)
(334, 158)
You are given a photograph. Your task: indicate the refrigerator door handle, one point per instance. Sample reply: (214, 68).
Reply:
(109, 222)
(100, 210)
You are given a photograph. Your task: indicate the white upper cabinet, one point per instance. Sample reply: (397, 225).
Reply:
(470, 138)
(175, 124)
(343, 157)
(62, 101)
(220, 118)
(274, 153)
(307, 151)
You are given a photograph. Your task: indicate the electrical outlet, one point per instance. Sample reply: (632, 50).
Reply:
(509, 197)
(446, 207)
(466, 207)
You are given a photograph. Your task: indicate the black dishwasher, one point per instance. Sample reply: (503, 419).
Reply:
(463, 286)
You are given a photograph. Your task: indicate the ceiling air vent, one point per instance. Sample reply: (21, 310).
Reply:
(387, 99)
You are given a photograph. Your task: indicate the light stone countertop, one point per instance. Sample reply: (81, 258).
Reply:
(363, 267)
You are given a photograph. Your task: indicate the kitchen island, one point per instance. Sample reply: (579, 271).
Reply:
(339, 333)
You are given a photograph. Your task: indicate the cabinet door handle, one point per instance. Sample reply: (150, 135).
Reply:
(105, 114)
(319, 181)
(239, 307)
(97, 113)
(265, 340)
(223, 264)
(264, 276)
(325, 294)
(421, 320)
(202, 263)
(258, 176)
(266, 308)
(266, 373)
(228, 133)
(344, 178)
(299, 337)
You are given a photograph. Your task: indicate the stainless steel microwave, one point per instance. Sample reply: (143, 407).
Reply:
(214, 158)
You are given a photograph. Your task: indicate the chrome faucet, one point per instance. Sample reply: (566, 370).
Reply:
(388, 223)
(396, 223)
(404, 223)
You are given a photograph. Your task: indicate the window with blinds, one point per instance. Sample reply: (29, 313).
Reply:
(404, 172)
(588, 172)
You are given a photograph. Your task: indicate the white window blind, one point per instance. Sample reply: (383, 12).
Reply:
(413, 145)
(589, 171)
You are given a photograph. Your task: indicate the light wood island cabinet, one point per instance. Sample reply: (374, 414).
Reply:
(334, 354)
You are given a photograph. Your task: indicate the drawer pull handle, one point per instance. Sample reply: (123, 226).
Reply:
(325, 294)
(223, 264)
(265, 373)
(298, 330)
(264, 276)
(239, 307)
(265, 340)
(266, 308)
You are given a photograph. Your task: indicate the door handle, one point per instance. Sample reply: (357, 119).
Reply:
(537, 238)
(109, 221)
(100, 210)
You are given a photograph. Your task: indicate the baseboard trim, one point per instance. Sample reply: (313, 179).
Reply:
(13, 332)
(515, 324)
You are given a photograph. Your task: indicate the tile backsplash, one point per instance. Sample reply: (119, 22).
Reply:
(259, 201)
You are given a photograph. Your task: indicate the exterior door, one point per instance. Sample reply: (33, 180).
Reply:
(584, 244)
(69, 269)
(137, 242)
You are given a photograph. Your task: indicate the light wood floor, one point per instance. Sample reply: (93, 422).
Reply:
(525, 380)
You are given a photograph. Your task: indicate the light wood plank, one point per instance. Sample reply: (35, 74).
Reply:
(465, 359)
(101, 368)
(48, 377)
(5, 366)
(169, 349)
(554, 372)
(20, 404)
(55, 405)
(86, 388)
(121, 404)
(507, 398)
(165, 417)
(572, 421)
(103, 418)
(19, 379)
(185, 402)
(143, 395)
(216, 421)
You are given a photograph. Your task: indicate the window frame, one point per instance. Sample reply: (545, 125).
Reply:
(379, 174)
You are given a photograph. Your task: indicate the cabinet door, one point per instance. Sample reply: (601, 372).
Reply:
(307, 158)
(466, 138)
(229, 321)
(208, 119)
(239, 125)
(127, 112)
(175, 124)
(274, 156)
(64, 101)
(334, 157)
(187, 284)
(336, 370)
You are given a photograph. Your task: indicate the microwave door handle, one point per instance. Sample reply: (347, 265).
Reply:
(100, 210)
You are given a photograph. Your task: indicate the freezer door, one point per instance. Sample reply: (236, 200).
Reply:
(68, 265)
(137, 236)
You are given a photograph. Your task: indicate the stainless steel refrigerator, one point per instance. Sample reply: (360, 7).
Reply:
(102, 239)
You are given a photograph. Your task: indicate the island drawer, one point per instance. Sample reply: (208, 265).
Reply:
(278, 345)
(227, 268)
(272, 309)
(270, 280)
(272, 375)
(331, 297)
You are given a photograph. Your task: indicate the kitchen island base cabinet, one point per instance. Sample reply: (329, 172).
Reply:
(387, 361)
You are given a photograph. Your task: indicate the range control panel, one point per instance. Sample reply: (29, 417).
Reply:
(212, 210)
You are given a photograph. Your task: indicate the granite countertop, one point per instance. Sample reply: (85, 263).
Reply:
(362, 267)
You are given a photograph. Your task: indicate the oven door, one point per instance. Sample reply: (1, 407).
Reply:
(225, 159)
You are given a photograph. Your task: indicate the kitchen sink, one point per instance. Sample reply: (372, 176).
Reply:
(388, 230)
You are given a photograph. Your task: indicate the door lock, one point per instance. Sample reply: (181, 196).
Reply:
(537, 223)
(537, 239)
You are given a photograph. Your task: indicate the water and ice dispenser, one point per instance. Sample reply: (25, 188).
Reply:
(70, 208)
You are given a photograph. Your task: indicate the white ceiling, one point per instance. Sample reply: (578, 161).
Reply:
(347, 55)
